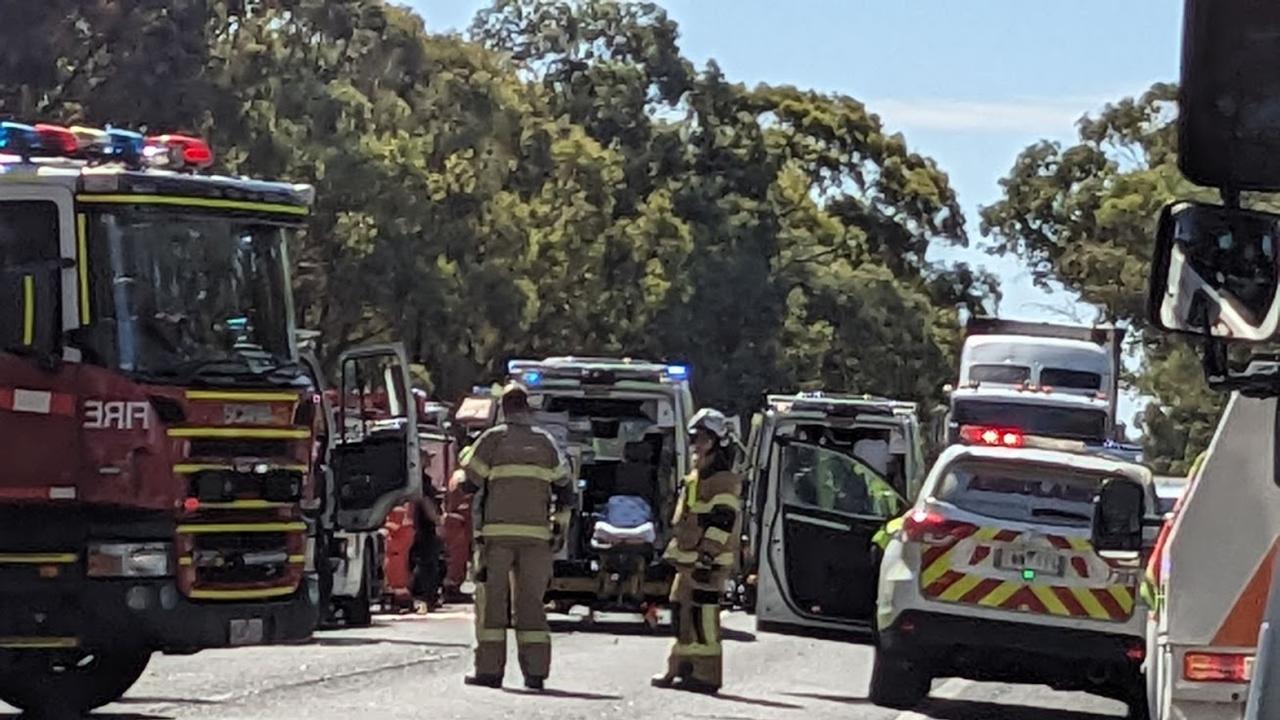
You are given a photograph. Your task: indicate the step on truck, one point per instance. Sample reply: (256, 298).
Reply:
(824, 472)
(622, 425)
(160, 491)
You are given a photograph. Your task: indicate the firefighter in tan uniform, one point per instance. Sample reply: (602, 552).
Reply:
(707, 526)
(520, 480)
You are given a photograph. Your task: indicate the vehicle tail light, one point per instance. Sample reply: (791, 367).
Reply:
(930, 527)
(992, 436)
(1217, 667)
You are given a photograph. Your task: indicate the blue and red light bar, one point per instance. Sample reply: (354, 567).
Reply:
(104, 145)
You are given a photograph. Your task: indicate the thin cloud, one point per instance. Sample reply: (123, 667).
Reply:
(1047, 116)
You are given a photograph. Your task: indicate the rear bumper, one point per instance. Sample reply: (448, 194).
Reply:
(987, 650)
(150, 613)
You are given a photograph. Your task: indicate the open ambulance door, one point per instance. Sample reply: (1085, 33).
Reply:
(749, 468)
(376, 464)
(818, 571)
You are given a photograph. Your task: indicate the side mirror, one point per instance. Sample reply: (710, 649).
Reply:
(1215, 272)
(1118, 512)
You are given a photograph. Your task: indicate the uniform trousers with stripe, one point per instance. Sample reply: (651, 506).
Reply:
(516, 574)
(696, 653)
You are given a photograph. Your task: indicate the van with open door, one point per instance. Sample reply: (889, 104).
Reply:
(367, 463)
(824, 472)
(621, 424)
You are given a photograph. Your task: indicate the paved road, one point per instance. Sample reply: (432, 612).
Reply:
(412, 667)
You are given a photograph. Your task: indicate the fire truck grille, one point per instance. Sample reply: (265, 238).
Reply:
(224, 486)
(240, 559)
(217, 448)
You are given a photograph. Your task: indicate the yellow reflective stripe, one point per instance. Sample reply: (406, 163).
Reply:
(474, 464)
(727, 499)
(1090, 603)
(210, 203)
(214, 528)
(996, 597)
(186, 560)
(491, 635)
(297, 559)
(255, 594)
(190, 468)
(716, 535)
(1050, 600)
(82, 266)
(533, 637)
(237, 432)
(696, 650)
(28, 310)
(38, 558)
(38, 643)
(233, 396)
(1080, 544)
(513, 471)
(960, 588)
(1123, 596)
(537, 532)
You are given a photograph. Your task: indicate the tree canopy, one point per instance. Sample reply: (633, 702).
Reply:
(1085, 216)
(562, 181)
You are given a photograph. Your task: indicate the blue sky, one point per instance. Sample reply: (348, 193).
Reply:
(969, 83)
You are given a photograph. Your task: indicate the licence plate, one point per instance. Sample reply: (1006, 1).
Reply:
(245, 632)
(1040, 561)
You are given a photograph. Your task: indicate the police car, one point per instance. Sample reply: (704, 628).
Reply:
(991, 576)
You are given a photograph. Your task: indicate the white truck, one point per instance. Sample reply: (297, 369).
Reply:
(1039, 379)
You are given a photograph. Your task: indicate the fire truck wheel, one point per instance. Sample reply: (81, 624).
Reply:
(43, 689)
(359, 610)
(898, 683)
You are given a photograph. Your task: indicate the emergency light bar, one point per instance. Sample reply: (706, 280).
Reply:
(175, 152)
(597, 371)
(1015, 438)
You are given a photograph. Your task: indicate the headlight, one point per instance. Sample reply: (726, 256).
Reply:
(130, 559)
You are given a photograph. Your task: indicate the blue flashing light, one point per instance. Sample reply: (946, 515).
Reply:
(126, 144)
(532, 378)
(18, 138)
(678, 372)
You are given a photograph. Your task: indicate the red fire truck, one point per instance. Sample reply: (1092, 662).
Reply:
(159, 490)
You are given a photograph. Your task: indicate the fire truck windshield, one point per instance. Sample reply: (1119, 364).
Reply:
(186, 296)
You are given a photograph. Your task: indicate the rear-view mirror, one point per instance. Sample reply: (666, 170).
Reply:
(1215, 272)
(1118, 512)
(1229, 94)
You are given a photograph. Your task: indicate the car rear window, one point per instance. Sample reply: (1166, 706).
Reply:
(1045, 494)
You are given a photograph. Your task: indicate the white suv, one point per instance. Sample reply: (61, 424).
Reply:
(991, 577)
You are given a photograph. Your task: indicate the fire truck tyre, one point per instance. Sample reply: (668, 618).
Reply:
(897, 682)
(43, 691)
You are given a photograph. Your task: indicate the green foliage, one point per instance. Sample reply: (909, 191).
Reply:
(565, 181)
(1085, 216)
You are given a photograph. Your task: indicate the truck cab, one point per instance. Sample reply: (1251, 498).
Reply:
(621, 424)
(160, 486)
(824, 472)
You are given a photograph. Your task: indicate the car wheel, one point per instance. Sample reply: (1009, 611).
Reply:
(897, 682)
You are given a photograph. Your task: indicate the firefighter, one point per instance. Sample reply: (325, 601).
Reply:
(520, 479)
(706, 528)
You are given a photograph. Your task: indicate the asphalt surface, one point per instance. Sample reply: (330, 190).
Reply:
(411, 666)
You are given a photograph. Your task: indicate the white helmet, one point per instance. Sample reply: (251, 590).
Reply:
(714, 422)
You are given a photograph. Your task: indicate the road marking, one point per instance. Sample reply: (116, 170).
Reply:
(949, 690)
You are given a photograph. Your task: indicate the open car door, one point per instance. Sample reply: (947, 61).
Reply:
(376, 464)
(818, 572)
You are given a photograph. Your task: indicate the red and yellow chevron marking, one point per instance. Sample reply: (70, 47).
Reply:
(939, 581)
